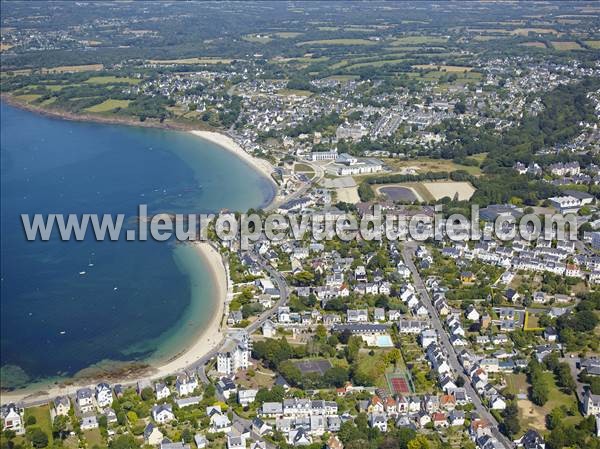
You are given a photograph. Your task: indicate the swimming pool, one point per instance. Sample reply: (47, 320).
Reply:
(384, 341)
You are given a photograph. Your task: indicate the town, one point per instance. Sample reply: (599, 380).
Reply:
(489, 344)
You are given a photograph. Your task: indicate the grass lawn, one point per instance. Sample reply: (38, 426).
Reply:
(42, 417)
(112, 80)
(566, 46)
(300, 167)
(262, 378)
(593, 44)
(93, 437)
(426, 164)
(108, 105)
(373, 366)
(533, 416)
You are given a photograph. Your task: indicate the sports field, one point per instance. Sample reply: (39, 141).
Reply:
(400, 382)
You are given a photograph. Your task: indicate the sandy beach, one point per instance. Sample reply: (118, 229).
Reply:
(262, 165)
(212, 335)
(206, 341)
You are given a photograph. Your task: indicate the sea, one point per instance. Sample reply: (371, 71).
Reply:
(68, 306)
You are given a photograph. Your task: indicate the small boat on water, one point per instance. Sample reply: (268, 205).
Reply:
(81, 273)
(63, 332)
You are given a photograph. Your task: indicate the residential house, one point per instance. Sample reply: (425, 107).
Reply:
(378, 421)
(61, 406)
(246, 397)
(89, 422)
(84, 399)
(591, 404)
(162, 413)
(162, 391)
(186, 384)
(152, 435)
(12, 417)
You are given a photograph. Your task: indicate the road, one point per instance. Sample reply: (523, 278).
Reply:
(407, 255)
(200, 365)
(319, 174)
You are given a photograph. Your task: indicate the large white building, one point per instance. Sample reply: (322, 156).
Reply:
(565, 204)
(352, 132)
(236, 356)
(324, 155)
(104, 395)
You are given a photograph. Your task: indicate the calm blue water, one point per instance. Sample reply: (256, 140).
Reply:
(134, 295)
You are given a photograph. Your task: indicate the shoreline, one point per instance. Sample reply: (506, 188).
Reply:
(224, 141)
(128, 373)
(202, 346)
(217, 137)
(209, 337)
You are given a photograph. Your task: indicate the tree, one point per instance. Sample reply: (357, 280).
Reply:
(147, 394)
(59, 426)
(420, 442)
(290, 372)
(37, 437)
(460, 108)
(354, 345)
(554, 418)
(335, 376)
(511, 425)
(124, 442)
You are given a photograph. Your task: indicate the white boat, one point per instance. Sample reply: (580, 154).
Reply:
(81, 273)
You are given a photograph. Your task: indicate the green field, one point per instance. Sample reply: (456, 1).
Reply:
(379, 63)
(28, 98)
(566, 46)
(419, 40)
(298, 93)
(337, 42)
(111, 80)
(42, 417)
(593, 44)
(108, 105)
(444, 68)
(287, 34)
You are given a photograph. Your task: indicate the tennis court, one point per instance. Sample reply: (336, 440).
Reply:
(400, 383)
